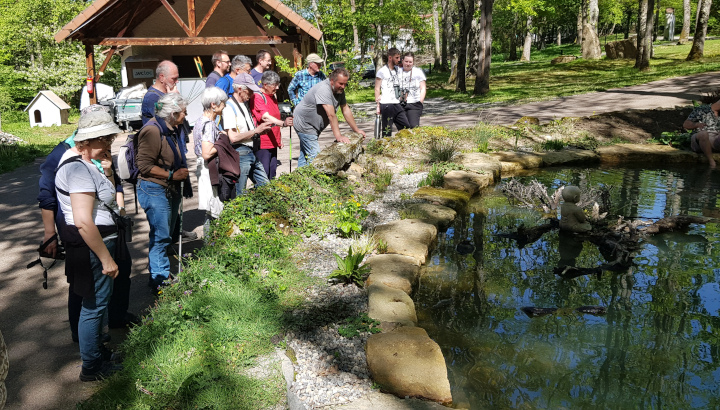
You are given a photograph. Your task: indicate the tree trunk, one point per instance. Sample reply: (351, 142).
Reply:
(646, 17)
(473, 46)
(436, 29)
(558, 39)
(528, 40)
(447, 33)
(466, 9)
(482, 82)
(379, 43)
(356, 39)
(512, 56)
(628, 13)
(580, 24)
(698, 46)
(685, 33)
(657, 20)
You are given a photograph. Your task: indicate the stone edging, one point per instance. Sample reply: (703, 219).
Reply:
(403, 359)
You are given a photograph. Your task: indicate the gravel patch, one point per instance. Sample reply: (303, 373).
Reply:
(9, 139)
(331, 369)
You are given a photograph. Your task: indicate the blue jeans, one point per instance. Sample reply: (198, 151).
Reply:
(309, 148)
(249, 167)
(92, 312)
(161, 214)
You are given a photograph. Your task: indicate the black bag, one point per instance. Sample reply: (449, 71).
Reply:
(256, 142)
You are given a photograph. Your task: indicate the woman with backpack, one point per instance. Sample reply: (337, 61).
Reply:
(86, 197)
(162, 165)
(266, 109)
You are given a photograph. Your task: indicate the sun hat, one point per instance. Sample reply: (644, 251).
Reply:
(246, 81)
(96, 124)
(313, 58)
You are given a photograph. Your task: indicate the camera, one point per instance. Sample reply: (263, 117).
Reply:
(403, 97)
(396, 87)
(286, 110)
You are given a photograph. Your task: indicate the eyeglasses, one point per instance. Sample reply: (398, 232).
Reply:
(108, 139)
(225, 61)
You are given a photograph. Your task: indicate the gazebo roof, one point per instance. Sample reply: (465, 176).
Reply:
(111, 22)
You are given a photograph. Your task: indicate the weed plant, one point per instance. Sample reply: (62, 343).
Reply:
(353, 326)
(442, 150)
(436, 176)
(349, 217)
(553, 145)
(349, 269)
(677, 139)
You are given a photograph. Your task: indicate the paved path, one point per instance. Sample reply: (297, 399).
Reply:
(44, 363)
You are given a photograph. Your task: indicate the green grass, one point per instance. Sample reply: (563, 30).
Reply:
(538, 79)
(39, 142)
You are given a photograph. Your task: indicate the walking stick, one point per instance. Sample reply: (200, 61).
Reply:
(182, 185)
(291, 149)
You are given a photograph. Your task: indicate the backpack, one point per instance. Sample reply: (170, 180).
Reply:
(126, 167)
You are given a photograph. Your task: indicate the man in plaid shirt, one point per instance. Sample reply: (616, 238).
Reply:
(305, 79)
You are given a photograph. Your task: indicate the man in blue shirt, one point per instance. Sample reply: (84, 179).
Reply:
(167, 76)
(305, 79)
(240, 64)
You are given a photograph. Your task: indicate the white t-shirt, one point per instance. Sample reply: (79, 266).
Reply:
(237, 116)
(389, 80)
(82, 176)
(410, 80)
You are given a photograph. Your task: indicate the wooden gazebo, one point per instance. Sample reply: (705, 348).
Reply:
(155, 27)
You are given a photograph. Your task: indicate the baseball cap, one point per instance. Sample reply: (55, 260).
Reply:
(247, 81)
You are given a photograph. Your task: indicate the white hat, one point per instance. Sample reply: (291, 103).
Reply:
(96, 124)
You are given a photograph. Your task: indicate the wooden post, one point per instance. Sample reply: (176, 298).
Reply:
(90, 66)
(191, 16)
(297, 55)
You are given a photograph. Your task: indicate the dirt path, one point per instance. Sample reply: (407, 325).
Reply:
(44, 363)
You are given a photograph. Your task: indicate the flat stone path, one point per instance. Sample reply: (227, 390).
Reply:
(44, 363)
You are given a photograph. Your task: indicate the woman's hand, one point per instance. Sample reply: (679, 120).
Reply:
(110, 268)
(106, 163)
(377, 111)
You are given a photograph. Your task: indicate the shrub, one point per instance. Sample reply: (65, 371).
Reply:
(553, 145)
(436, 176)
(442, 150)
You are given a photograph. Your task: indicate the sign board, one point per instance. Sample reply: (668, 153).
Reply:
(143, 73)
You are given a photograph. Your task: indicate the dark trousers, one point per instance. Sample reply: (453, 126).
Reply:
(413, 111)
(268, 159)
(227, 189)
(119, 300)
(393, 114)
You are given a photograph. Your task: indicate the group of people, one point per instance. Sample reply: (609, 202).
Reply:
(400, 90)
(236, 139)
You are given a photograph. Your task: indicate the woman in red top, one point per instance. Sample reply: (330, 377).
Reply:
(265, 109)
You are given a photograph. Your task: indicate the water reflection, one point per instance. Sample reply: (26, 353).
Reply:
(655, 347)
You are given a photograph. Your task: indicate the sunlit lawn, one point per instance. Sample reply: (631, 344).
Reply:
(538, 79)
(39, 142)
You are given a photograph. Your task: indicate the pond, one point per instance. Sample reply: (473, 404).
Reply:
(657, 343)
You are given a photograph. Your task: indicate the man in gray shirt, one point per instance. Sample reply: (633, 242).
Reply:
(317, 109)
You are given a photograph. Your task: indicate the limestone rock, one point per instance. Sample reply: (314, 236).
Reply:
(448, 197)
(646, 153)
(568, 156)
(621, 49)
(512, 162)
(591, 43)
(410, 237)
(388, 304)
(479, 162)
(470, 182)
(438, 215)
(396, 271)
(563, 59)
(406, 362)
(335, 157)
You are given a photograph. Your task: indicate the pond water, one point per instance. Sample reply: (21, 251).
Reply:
(657, 345)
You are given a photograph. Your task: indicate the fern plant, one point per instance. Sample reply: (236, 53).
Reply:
(349, 269)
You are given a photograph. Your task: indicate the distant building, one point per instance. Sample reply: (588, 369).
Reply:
(47, 109)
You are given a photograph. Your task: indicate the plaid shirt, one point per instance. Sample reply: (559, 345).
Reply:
(302, 83)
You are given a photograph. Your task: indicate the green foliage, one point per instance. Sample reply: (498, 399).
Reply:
(39, 141)
(284, 66)
(409, 169)
(375, 146)
(553, 145)
(586, 141)
(442, 150)
(677, 139)
(349, 217)
(381, 179)
(353, 326)
(349, 269)
(436, 176)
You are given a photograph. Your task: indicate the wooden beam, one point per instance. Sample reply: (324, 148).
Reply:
(252, 15)
(207, 17)
(90, 69)
(192, 41)
(191, 16)
(177, 18)
(105, 63)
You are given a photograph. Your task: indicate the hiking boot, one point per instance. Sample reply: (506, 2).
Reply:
(105, 371)
(111, 356)
(127, 320)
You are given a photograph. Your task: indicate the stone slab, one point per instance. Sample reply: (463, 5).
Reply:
(410, 237)
(451, 198)
(468, 181)
(439, 215)
(396, 271)
(646, 153)
(388, 304)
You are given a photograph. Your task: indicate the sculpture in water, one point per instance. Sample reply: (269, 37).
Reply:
(572, 217)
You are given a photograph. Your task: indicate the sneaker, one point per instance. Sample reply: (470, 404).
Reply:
(127, 320)
(111, 356)
(105, 371)
(189, 235)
